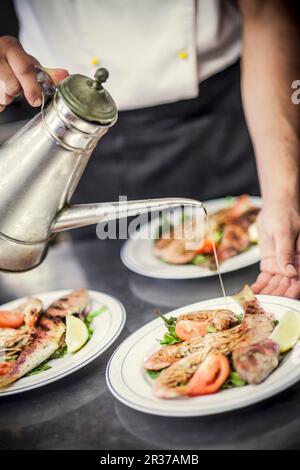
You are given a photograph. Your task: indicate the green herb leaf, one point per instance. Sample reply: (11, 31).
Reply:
(240, 316)
(211, 329)
(153, 374)
(90, 317)
(61, 352)
(170, 337)
(200, 259)
(233, 381)
(41, 368)
(229, 199)
(218, 234)
(12, 358)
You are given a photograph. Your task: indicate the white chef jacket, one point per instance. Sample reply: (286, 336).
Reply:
(157, 51)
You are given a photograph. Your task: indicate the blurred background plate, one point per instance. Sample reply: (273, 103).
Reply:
(137, 254)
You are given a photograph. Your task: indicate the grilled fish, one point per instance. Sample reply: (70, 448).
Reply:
(13, 340)
(76, 302)
(46, 337)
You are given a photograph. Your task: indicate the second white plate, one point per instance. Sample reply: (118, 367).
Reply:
(129, 383)
(137, 254)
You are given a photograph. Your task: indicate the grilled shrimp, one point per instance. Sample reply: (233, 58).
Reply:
(219, 319)
(13, 340)
(168, 355)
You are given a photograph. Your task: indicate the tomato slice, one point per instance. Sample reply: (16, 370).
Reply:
(5, 367)
(210, 376)
(11, 319)
(207, 248)
(191, 329)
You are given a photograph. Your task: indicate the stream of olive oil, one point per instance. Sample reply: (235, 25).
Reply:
(211, 236)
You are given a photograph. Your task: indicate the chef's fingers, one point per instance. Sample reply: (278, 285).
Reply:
(294, 290)
(57, 75)
(22, 65)
(261, 282)
(285, 241)
(283, 286)
(271, 285)
(9, 85)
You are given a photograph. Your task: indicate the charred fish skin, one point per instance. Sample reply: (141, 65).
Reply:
(47, 335)
(76, 302)
(12, 341)
(46, 340)
(255, 362)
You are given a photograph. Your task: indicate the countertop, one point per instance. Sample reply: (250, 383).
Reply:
(78, 412)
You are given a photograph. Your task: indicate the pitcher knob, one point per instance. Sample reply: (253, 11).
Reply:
(101, 76)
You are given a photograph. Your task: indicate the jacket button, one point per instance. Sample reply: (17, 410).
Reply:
(183, 55)
(95, 61)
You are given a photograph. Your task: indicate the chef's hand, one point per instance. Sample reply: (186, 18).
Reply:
(279, 232)
(17, 73)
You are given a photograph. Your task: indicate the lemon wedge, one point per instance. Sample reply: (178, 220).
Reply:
(287, 332)
(76, 333)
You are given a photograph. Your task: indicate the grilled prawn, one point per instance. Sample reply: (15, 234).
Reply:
(218, 320)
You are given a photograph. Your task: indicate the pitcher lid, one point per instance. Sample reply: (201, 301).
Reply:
(88, 99)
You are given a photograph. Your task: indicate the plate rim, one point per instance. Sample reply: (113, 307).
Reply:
(85, 362)
(192, 275)
(194, 413)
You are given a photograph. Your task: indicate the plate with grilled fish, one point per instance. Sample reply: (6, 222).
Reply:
(48, 336)
(160, 249)
(209, 357)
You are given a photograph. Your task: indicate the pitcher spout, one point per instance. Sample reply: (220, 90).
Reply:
(89, 214)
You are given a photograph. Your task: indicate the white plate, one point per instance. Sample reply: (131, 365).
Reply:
(137, 254)
(129, 383)
(107, 328)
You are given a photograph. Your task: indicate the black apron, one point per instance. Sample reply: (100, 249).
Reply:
(198, 148)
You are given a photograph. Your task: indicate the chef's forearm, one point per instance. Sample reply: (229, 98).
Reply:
(271, 62)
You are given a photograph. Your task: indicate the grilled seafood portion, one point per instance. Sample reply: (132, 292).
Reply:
(260, 324)
(75, 303)
(170, 382)
(14, 340)
(229, 228)
(255, 362)
(256, 356)
(42, 336)
(45, 341)
(220, 320)
(201, 366)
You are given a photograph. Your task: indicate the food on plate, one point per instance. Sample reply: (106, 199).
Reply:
(232, 230)
(27, 347)
(230, 350)
(255, 362)
(175, 349)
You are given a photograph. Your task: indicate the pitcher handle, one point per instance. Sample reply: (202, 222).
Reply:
(46, 83)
